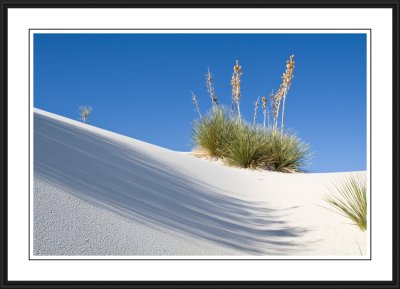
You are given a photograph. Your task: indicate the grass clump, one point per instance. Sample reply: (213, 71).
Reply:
(350, 200)
(287, 152)
(212, 131)
(247, 147)
(243, 145)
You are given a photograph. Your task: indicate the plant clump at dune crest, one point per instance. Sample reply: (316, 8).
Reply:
(228, 136)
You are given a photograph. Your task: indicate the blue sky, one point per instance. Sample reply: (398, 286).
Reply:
(140, 85)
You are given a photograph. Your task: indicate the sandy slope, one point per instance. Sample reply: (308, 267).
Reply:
(100, 193)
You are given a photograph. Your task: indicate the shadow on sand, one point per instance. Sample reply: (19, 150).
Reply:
(120, 177)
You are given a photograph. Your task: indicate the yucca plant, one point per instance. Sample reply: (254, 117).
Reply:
(350, 200)
(244, 144)
(84, 111)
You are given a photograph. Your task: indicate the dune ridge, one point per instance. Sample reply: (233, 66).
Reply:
(98, 193)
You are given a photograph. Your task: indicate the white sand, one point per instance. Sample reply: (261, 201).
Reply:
(100, 193)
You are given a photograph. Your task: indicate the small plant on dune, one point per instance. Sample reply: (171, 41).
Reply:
(84, 112)
(350, 200)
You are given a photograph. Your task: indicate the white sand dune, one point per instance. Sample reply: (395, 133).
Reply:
(97, 193)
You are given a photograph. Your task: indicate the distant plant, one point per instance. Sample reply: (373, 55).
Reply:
(350, 200)
(84, 112)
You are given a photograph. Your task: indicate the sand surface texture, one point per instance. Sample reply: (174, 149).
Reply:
(97, 193)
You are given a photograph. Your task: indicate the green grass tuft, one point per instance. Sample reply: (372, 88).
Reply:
(242, 145)
(212, 131)
(287, 152)
(350, 200)
(247, 148)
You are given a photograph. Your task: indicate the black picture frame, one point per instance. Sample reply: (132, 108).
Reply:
(331, 4)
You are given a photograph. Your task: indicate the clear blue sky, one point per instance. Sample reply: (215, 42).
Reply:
(140, 85)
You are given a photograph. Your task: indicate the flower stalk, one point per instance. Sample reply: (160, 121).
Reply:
(256, 104)
(287, 81)
(264, 108)
(210, 87)
(275, 102)
(196, 104)
(236, 85)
